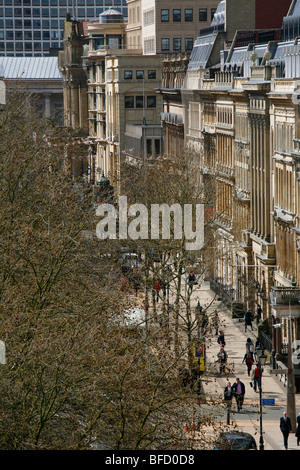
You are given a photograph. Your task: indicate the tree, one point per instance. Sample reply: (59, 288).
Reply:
(76, 376)
(167, 181)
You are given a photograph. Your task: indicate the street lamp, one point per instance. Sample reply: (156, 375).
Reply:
(261, 361)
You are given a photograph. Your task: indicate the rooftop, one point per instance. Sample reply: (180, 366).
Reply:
(30, 68)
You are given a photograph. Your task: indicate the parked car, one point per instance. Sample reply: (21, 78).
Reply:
(130, 261)
(235, 440)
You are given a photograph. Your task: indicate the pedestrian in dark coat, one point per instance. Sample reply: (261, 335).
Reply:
(222, 357)
(221, 339)
(248, 320)
(298, 430)
(258, 314)
(239, 392)
(285, 427)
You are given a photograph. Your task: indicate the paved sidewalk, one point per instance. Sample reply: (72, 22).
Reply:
(248, 418)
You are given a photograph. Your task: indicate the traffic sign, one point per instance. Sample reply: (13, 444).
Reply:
(268, 401)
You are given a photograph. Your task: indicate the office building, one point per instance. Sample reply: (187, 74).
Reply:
(35, 27)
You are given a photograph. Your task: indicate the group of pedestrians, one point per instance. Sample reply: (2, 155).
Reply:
(237, 391)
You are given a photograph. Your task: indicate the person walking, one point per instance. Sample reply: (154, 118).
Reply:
(239, 393)
(221, 339)
(215, 322)
(192, 280)
(248, 320)
(298, 430)
(228, 395)
(204, 323)
(222, 358)
(258, 314)
(256, 377)
(248, 359)
(250, 345)
(158, 289)
(285, 427)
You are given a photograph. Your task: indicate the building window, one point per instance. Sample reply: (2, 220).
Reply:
(203, 14)
(189, 42)
(177, 44)
(139, 102)
(212, 13)
(176, 15)
(165, 44)
(151, 101)
(164, 16)
(98, 42)
(157, 146)
(140, 74)
(151, 74)
(188, 14)
(128, 74)
(129, 102)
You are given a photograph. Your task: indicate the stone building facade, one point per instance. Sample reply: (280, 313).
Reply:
(242, 117)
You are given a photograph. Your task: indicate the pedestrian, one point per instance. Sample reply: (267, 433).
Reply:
(228, 395)
(256, 377)
(248, 359)
(158, 289)
(222, 358)
(184, 377)
(192, 280)
(198, 308)
(124, 283)
(221, 339)
(135, 280)
(204, 322)
(248, 320)
(215, 322)
(258, 314)
(298, 430)
(239, 393)
(250, 345)
(285, 427)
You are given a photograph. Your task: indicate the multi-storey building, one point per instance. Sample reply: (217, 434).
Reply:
(172, 25)
(35, 27)
(241, 117)
(122, 97)
(123, 110)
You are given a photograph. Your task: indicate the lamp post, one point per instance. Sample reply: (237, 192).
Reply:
(261, 360)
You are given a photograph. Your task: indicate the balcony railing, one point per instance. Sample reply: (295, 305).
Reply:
(285, 296)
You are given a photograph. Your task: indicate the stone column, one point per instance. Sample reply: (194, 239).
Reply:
(47, 97)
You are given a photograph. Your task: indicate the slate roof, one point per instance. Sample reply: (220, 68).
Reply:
(30, 68)
(202, 50)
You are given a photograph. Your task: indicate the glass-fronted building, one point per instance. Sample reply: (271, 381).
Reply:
(35, 27)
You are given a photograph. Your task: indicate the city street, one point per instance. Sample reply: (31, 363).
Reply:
(246, 419)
